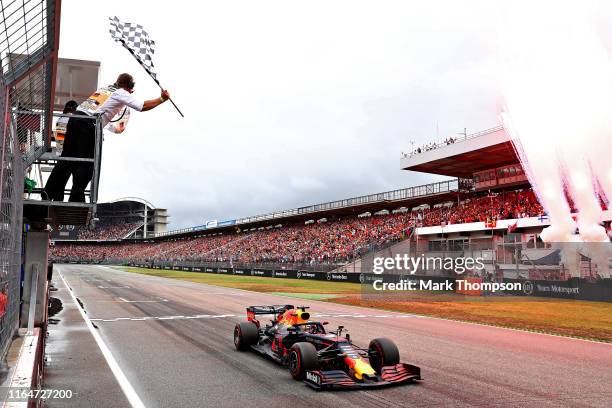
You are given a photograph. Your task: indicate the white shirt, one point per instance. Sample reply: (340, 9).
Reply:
(110, 106)
(61, 124)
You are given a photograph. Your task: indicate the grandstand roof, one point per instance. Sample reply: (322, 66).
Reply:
(128, 200)
(126, 207)
(390, 200)
(484, 150)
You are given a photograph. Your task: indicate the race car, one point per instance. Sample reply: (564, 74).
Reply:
(322, 359)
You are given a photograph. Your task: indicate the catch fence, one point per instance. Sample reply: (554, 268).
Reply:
(28, 53)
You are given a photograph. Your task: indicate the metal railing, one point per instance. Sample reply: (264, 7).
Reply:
(449, 141)
(53, 155)
(395, 195)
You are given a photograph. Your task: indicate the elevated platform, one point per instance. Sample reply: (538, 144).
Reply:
(476, 152)
(42, 211)
(57, 213)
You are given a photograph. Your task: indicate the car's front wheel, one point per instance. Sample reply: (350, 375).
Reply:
(383, 352)
(302, 357)
(245, 335)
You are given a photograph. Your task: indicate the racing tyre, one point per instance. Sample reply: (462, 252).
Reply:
(245, 335)
(383, 352)
(302, 357)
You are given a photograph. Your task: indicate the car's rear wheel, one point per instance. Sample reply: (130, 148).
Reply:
(245, 335)
(302, 357)
(382, 352)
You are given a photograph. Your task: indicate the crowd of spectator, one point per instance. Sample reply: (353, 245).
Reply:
(107, 232)
(432, 146)
(507, 205)
(325, 241)
(320, 242)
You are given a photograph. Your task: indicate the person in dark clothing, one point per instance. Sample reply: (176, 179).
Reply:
(80, 139)
(79, 142)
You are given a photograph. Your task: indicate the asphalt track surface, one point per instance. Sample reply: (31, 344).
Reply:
(173, 340)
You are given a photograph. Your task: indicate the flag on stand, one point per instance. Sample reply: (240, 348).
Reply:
(136, 40)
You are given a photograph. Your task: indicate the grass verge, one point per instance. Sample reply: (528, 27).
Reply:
(573, 318)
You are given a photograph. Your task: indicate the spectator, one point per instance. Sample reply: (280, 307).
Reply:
(334, 241)
(60, 126)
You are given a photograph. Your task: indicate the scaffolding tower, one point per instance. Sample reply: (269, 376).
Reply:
(29, 42)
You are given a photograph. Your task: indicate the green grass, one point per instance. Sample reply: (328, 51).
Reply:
(309, 296)
(255, 283)
(575, 318)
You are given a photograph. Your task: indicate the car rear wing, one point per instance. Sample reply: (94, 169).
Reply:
(253, 311)
(274, 309)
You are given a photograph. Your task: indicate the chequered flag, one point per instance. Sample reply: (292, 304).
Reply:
(136, 40)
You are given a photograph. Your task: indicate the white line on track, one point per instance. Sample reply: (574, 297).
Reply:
(140, 319)
(124, 383)
(143, 301)
(360, 315)
(205, 316)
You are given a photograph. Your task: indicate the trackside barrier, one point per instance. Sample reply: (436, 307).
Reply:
(25, 373)
(470, 292)
(575, 288)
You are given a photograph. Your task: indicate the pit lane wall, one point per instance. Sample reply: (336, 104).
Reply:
(575, 288)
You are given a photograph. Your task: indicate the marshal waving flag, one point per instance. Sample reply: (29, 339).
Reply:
(136, 40)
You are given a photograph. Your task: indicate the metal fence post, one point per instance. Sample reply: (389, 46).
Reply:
(33, 295)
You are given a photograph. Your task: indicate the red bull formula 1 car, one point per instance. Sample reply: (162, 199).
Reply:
(322, 359)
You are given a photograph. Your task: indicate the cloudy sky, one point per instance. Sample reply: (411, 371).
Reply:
(286, 103)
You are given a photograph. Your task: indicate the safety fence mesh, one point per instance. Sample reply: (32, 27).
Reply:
(26, 42)
(27, 56)
(11, 205)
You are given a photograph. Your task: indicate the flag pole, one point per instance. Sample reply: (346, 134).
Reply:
(152, 77)
(170, 99)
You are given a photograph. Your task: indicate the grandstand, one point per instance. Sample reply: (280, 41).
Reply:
(488, 203)
(124, 218)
